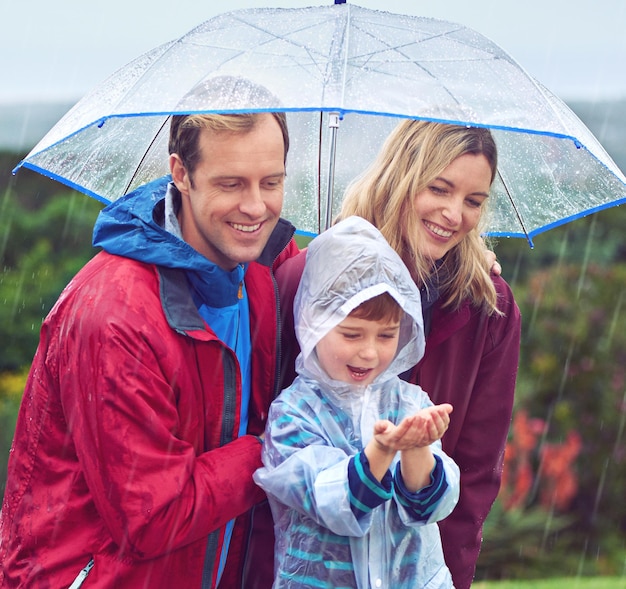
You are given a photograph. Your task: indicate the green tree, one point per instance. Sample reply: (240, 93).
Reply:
(45, 239)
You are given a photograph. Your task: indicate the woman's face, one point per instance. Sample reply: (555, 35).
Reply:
(450, 207)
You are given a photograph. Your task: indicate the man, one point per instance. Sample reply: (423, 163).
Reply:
(138, 433)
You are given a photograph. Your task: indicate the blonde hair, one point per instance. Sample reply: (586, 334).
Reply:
(414, 154)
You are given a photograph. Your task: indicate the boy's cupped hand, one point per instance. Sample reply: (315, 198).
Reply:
(418, 430)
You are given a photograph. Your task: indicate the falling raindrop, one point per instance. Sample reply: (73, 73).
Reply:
(588, 249)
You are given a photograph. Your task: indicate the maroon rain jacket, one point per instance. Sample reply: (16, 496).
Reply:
(471, 362)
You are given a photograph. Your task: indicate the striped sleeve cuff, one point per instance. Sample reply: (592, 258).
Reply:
(366, 492)
(423, 502)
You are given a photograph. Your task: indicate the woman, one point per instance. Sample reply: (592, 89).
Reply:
(427, 192)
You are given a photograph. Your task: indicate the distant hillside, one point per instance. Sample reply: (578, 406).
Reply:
(23, 125)
(607, 121)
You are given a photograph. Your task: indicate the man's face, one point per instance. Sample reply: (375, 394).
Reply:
(231, 208)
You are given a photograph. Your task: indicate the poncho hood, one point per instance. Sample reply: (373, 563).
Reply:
(346, 265)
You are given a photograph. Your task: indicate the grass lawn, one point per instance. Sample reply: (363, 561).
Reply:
(561, 583)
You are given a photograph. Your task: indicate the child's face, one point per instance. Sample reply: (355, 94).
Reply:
(357, 350)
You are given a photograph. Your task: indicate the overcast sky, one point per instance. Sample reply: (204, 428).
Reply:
(59, 50)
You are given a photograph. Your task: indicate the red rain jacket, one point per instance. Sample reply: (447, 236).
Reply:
(126, 446)
(471, 362)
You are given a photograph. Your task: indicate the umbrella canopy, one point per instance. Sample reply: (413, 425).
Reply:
(345, 75)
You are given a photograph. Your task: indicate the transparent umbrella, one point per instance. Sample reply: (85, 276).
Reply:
(345, 75)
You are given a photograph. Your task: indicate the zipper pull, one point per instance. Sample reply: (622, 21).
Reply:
(80, 578)
(240, 291)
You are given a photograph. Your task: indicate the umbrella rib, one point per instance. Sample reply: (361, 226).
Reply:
(145, 153)
(517, 213)
(275, 37)
(399, 50)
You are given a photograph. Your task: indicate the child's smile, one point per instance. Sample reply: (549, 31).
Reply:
(358, 350)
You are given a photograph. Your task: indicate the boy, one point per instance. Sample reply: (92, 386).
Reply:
(354, 469)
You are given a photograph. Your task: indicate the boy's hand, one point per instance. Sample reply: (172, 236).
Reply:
(415, 431)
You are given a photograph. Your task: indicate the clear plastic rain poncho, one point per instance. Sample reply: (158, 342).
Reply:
(317, 425)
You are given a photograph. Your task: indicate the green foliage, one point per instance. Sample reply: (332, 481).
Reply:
(574, 373)
(11, 387)
(44, 240)
(525, 543)
(597, 238)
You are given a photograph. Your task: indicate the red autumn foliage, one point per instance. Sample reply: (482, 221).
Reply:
(556, 479)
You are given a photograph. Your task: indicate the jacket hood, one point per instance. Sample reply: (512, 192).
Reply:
(346, 265)
(133, 227)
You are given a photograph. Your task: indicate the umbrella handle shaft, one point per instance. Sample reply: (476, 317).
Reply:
(333, 125)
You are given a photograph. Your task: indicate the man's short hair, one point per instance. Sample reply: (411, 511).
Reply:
(185, 132)
(227, 93)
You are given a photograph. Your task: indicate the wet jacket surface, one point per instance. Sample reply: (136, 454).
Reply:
(126, 447)
(471, 362)
(318, 428)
